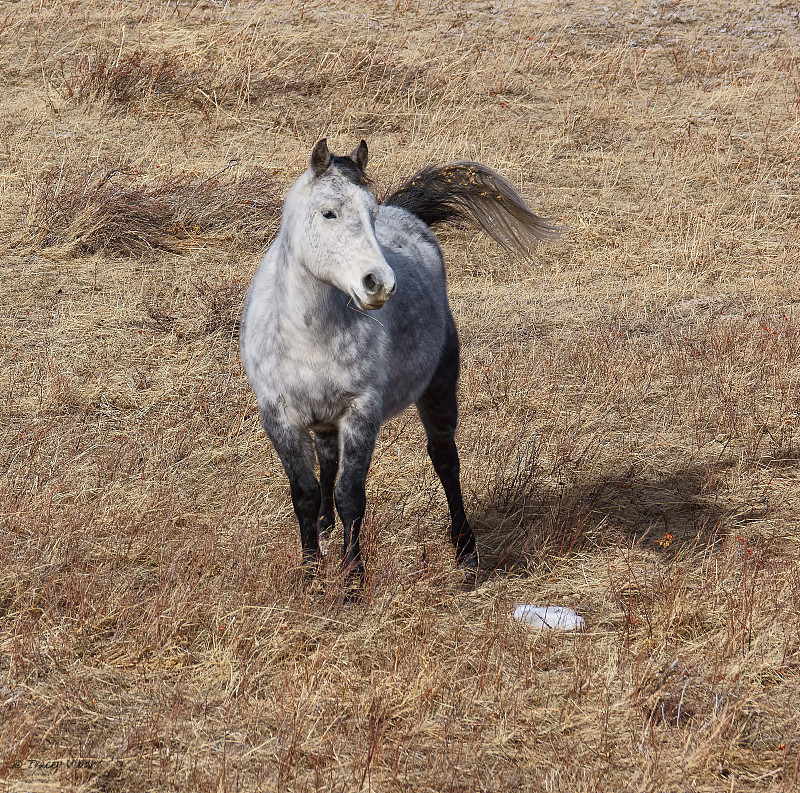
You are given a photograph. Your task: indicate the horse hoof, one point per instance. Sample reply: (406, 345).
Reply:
(468, 561)
(353, 590)
(311, 565)
(325, 545)
(353, 583)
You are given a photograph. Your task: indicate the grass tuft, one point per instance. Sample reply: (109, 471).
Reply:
(115, 211)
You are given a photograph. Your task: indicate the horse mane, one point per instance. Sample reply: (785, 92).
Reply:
(350, 170)
(471, 192)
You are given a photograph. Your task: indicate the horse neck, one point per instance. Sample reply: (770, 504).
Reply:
(301, 294)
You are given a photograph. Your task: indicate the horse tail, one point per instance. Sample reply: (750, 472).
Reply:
(471, 192)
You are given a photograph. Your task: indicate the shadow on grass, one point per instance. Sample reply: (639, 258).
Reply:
(525, 520)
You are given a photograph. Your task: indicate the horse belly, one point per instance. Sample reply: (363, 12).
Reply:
(403, 392)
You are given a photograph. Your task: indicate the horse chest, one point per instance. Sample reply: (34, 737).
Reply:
(316, 380)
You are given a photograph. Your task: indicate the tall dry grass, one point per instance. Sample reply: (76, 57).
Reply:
(630, 404)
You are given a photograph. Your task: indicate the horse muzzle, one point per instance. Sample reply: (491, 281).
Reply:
(374, 292)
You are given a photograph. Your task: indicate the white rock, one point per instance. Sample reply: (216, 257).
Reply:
(556, 617)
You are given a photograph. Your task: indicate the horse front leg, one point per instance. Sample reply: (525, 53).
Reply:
(358, 432)
(296, 453)
(327, 445)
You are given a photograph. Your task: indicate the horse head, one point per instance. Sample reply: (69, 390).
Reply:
(330, 214)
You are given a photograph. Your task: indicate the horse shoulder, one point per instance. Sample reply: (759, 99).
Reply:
(405, 235)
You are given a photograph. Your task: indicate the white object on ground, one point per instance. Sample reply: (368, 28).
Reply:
(557, 617)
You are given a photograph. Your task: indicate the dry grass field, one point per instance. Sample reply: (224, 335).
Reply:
(630, 426)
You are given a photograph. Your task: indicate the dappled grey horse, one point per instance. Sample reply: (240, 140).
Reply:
(347, 322)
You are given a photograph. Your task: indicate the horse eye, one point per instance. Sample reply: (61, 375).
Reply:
(328, 214)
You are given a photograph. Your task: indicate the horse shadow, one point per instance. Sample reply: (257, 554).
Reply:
(526, 519)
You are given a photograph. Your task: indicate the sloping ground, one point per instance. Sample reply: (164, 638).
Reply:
(630, 404)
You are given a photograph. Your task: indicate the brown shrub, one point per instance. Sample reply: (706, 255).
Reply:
(112, 210)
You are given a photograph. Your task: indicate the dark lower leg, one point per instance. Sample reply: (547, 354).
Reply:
(357, 435)
(351, 503)
(327, 444)
(444, 456)
(438, 409)
(305, 500)
(296, 453)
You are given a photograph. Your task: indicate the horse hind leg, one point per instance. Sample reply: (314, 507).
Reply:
(438, 410)
(327, 445)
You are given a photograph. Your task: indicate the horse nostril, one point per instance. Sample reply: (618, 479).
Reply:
(370, 284)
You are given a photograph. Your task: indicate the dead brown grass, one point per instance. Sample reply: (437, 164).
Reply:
(630, 404)
(114, 211)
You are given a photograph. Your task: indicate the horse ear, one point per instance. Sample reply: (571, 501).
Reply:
(360, 155)
(320, 157)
